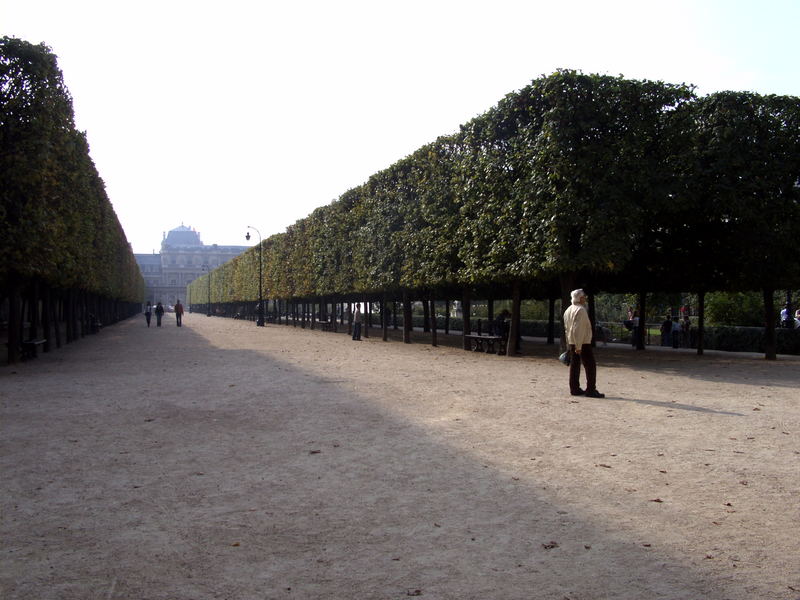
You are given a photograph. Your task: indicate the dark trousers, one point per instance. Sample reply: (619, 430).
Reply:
(357, 330)
(147, 318)
(158, 320)
(178, 317)
(589, 365)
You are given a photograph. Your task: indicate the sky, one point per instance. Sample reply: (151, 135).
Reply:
(223, 115)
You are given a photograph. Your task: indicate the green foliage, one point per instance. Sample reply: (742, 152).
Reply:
(750, 339)
(735, 308)
(614, 183)
(744, 309)
(746, 179)
(57, 224)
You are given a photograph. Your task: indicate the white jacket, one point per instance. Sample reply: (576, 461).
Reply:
(577, 326)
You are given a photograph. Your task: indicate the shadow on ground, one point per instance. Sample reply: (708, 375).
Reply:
(153, 464)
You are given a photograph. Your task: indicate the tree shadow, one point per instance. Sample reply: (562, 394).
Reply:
(248, 476)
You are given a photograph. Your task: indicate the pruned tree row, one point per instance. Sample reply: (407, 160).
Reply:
(603, 182)
(65, 262)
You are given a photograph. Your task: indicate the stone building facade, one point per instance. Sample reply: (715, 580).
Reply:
(183, 258)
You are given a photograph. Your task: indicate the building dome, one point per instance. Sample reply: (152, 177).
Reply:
(182, 236)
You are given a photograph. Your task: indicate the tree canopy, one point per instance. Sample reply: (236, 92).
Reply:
(620, 183)
(57, 224)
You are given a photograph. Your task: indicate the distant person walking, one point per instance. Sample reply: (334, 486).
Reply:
(578, 330)
(635, 330)
(148, 312)
(159, 314)
(179, 312)
(357, 323)
(676, 332)
(666, 331)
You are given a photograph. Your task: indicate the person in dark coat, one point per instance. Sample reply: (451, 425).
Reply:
(179, 312)
(159, 314)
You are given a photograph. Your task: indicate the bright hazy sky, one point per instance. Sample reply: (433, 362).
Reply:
(220, 115)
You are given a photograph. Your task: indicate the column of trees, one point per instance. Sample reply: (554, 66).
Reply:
(63, 253)
(597, 181)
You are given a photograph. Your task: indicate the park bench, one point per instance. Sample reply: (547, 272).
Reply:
(486, 343)
(29, 348)
(328, 325)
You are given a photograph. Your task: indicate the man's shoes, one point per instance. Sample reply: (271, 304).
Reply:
(578, 392)
(594, 394)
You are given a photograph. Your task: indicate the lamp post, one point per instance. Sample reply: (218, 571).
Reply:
(260, 321)
(208, 269)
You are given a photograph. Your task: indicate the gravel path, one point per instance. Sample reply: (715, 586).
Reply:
(222, 460)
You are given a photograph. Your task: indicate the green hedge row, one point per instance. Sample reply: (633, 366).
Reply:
(599, 181)
(750, 339)
(57, 225)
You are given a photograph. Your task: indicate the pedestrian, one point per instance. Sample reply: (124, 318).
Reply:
(578, 330)
(148, 312)
(159, 313)
(635, 330)
(666, 331)
(357, 323)
(786, 316)
(179, 312)
(676, 332)
(501, 324)
(686, 328)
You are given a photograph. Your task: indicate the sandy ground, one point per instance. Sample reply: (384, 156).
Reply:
(222, 460)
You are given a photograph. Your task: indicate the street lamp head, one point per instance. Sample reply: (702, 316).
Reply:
(247, 236)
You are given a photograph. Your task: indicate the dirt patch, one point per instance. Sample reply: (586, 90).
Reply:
(222, 460)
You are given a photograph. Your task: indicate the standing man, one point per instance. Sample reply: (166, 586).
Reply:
(357, 323)
(179, 312)
(148, 311)
(578, 329)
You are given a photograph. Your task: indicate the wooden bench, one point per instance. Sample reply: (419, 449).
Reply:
(486, 343)
(29, 348)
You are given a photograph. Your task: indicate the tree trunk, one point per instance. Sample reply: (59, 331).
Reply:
(512, 344)
(593, 319)
(467, 328)
(447, 317)
(701, 322)
(47, 311)
(426, 315)
(407, 319)
(642, 321)
(385, 318)
(33, 311)
(551, 321)
(432, 312)
(770, 340)
(14, 322)
(57, 307)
